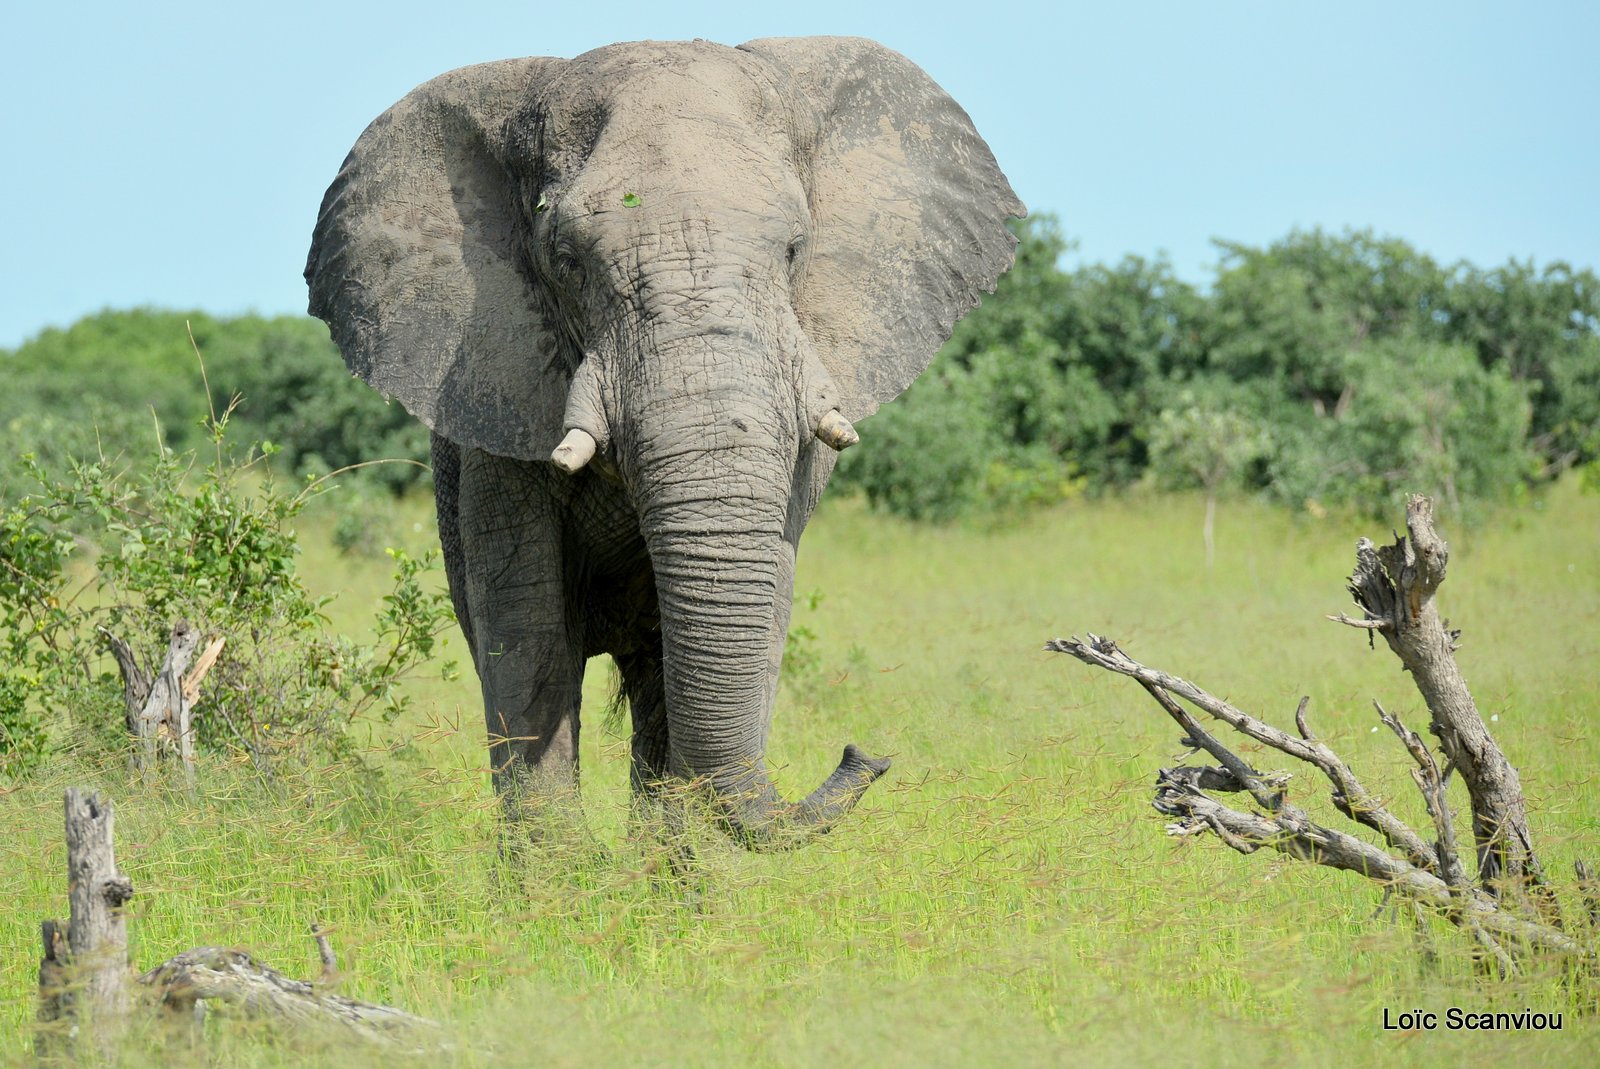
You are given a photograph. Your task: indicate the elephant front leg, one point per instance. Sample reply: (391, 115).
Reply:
(532, 688)
(528, 646)
(647, 705)
(659, 802)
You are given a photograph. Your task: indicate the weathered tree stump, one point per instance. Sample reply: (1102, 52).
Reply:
(160, 709)
(83, 978)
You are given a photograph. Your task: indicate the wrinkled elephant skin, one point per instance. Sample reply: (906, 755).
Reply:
(642, 297)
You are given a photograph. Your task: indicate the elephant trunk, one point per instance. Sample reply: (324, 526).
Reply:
(712, 508)
(717, 591)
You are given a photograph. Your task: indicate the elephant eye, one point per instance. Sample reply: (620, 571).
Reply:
(564, 261)
(795, 246)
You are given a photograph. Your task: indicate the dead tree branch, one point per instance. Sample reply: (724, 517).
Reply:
(135, 680)
(233, 978)
(165, 713)
(1351, 798)
(1395, 588)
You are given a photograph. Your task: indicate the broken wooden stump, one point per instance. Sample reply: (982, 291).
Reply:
(83, 976)
(1510, 910)
(160, 707)
(86, 988)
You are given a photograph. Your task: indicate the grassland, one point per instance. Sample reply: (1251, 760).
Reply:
(1005, 897)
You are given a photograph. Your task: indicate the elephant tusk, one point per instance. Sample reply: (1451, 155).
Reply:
(836, 432)
(575, 450)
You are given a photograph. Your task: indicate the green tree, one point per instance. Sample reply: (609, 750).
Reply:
(91, 390)
(1206, 443)
(1417, 417)
(1542, 329)
(1291, 314)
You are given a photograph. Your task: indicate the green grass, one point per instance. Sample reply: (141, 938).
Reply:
(1004, 897)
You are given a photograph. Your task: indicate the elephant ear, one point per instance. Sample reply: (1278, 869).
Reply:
(414, 265)
(909, 214)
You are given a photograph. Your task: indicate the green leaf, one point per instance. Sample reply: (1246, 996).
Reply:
(630, 200)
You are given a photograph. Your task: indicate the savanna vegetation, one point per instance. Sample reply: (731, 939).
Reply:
(1322, 371)
(1006, 894)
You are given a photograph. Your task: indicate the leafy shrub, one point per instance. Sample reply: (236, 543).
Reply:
(147, 545)
(929, 451)
(1206, 443)
(801, 660)
(1323, 369)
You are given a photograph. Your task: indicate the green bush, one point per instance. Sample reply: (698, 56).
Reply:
(1416, 418)
(928, 451)
(127, 550)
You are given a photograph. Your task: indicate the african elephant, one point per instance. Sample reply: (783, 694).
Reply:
(639, 296)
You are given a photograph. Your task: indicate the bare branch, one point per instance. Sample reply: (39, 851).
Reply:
(1367, 624)
(1589, 889)
(1351, 798)
(1503, 963)
(1304, 840)
(135, 681)
(330, 964)
(1395, 586)
(1300, 719)
(202, 665)
(1431, 784)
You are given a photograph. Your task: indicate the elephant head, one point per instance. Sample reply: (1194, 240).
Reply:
(694, 266)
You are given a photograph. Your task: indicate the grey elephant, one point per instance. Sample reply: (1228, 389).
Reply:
(639, 296)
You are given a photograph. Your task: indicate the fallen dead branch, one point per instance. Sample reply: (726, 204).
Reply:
(86, 988)
(1509, 910)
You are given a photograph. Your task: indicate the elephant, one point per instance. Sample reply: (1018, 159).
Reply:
(640, 297)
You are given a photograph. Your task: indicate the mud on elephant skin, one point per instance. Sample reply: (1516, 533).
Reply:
(640, 296)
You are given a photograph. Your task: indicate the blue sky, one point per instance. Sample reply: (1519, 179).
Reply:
(174, 154)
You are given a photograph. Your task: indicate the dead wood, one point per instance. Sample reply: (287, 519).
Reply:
(165, 715)
(85, 986)
(160, 710)
(217, 975)
(135, 680)
(1395, 587)
(97, 934)
(83, 974)
(1510, 910)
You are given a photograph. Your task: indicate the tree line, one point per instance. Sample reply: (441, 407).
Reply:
(100, 387)
(1321, 371)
